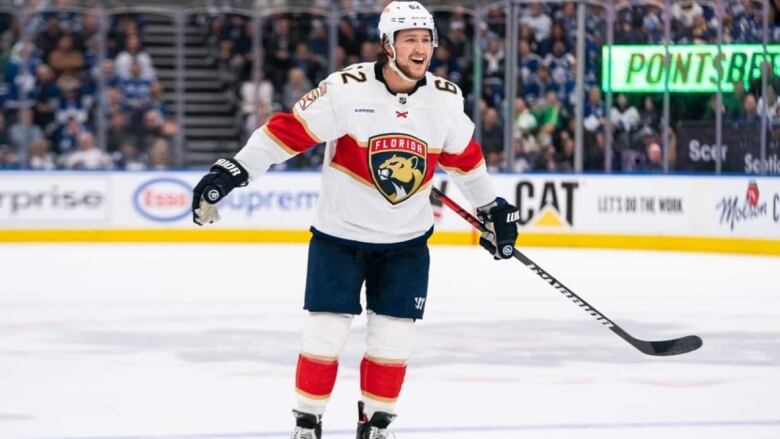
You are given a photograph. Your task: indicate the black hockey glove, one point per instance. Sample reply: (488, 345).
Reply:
(500, 218)
(223, 176)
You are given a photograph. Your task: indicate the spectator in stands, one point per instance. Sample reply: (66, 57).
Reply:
(132, 54)
(278, 48)
(558, 34)
(8, 38)
(750, 110)
(304, 59)
(24, 133)
(40, 157)
(157, 99)
(734, 101)
(650, 119)
(136, 91)
(65, 58)
(537, 20)
(318, 42)
(129, 158)
(770, 104)
(19, 76)
(525, 121)
(47, 40)
(524, 160)
(625, 119)
(711, 112)
(71, 103)
(160, 154)
(548, 115)
(564, 160)
(46, 95)
(86, 155)
(537, 87)
(567, 16)
(595, 113)
(66, 138)
(527, 62)
(547, 159)
(594, 152)
(8, 158)
(496, 19)
(114, 104)
(525, 33)
(492, 139)
(349, 38)
(256, 104)
(297, 85)
(120, 32)
(560, 63)
(117, 133)
(653, 157)
(686, 11)
(493, 59)
(746, 24)
(88, 33)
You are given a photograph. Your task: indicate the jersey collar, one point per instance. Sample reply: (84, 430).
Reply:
(381, 78)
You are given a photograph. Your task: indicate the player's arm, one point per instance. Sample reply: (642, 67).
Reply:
(466, 166)
(311, 122)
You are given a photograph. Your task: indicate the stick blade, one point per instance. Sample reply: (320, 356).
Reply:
(675, 346)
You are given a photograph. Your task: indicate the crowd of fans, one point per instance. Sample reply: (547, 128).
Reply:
(295, 49)
(50, 113)
(49, 98)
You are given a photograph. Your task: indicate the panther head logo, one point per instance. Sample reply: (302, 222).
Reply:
(403, 174)
(398, 164)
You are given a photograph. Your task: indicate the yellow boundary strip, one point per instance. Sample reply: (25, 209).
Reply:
(650, 242)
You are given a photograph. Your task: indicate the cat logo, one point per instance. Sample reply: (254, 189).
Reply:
(398, 163)
(546, 204)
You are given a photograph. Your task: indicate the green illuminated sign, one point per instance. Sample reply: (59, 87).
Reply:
(691, 68)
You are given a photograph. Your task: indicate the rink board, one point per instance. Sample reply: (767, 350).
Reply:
(729, 214)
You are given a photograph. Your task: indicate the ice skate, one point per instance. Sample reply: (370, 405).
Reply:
(307, 426)
(374, 428)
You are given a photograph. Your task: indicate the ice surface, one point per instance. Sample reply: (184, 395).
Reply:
(200, 342)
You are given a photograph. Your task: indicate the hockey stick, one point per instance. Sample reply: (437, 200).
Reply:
(675, 346)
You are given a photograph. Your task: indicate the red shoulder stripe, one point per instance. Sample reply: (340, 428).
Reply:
(290, 133)
(465, 161)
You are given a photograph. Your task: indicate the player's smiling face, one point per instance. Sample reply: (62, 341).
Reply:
(413, 48)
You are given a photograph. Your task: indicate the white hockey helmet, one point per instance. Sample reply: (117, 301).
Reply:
(399, 15)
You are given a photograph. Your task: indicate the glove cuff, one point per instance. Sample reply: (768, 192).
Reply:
(483, 212)
(237, 174)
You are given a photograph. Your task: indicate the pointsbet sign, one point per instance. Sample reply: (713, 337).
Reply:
(690, 68)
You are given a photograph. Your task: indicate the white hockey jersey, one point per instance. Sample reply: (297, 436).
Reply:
(380, 155)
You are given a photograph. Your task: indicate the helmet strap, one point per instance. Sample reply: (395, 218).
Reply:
(394, 66)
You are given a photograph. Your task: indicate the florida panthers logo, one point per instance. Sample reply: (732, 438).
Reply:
(398, 163)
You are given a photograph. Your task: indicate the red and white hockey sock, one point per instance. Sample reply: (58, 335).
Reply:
(380, 383)
(315, 378)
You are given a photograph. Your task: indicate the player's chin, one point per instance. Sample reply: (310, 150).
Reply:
(417, 70)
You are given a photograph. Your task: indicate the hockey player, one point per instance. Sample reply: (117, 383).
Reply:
(387, 125)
